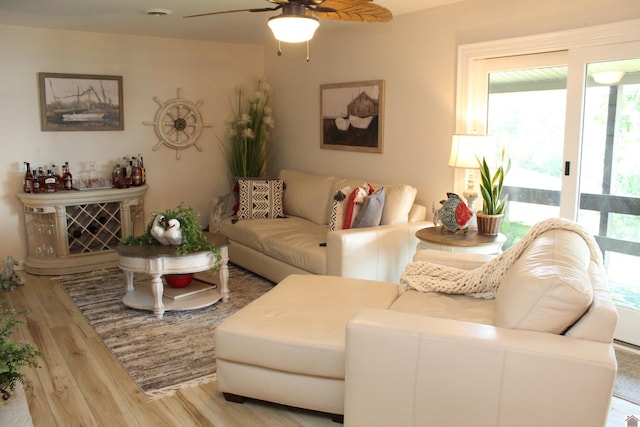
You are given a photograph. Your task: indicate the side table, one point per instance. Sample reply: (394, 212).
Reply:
(469, 242)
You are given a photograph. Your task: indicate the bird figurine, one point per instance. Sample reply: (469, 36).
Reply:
(166, 231)
(454, 214)
(173, 233)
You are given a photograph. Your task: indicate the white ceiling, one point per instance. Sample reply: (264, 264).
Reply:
(130, 17)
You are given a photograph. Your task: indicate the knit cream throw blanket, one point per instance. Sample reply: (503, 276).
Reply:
(483, 281)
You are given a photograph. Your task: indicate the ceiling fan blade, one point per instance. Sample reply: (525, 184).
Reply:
(264, 9)
(354, 10)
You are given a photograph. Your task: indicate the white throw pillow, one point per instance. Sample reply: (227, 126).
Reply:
(548, 288)
(398, 202)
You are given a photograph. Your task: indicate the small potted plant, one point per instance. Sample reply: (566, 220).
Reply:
(13, 355)
(490, 217)
(177, 227)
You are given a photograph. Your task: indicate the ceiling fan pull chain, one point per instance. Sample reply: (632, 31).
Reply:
(307, 50)
(279, 48)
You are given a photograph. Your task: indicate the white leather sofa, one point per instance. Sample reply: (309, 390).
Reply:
(539, 354)
(301, 243)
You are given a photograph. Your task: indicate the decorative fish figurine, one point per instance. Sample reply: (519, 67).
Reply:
(454, 214)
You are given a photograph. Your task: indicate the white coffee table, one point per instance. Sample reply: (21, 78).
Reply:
(158, 260)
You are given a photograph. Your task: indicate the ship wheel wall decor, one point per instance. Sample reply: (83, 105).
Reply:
(178, 123)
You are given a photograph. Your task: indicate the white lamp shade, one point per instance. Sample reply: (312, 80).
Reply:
(466, 149)
(293, 29)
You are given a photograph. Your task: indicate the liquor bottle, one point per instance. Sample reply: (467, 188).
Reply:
(136, 173)
(28, 179)
(67, 178)
(76, 233)
(114, 174)
(125, 180)
(50, 183)
(36, 182)
(41, 178)
(143, 171)
(58, 177)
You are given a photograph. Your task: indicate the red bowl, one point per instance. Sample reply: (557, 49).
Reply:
(178, 280)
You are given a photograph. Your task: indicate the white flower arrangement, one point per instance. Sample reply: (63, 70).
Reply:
(248, 135)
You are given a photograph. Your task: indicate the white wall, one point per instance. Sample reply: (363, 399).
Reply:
(416, 56)
(149, 67)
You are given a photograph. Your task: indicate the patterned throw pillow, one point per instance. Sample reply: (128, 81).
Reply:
(346, 204)
(260, 198)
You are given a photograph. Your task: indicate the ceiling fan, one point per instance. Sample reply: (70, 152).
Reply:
(297, 22)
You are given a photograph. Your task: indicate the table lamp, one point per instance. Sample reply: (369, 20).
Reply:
(465, 151)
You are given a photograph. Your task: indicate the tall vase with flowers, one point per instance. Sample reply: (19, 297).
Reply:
(246, 143)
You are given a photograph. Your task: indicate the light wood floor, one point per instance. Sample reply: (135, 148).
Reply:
(80, 383)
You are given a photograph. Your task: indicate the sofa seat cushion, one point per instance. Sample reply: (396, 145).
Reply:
(292, 240)
(299, 326)
(446, 306)
(300, 248)
(548, 288)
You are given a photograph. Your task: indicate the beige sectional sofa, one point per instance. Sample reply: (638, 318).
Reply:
(301, 243)
(539, 354)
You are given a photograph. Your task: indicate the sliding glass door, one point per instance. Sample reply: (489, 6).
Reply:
(609, 179)
(570, 121)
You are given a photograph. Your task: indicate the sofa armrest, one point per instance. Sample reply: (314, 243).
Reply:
(376, 253)
(411, 370)
(417, 213)
(220, 207)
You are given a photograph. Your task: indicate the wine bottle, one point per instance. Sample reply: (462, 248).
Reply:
(41, 178)
(67, 178)
(28, 179)
(142, 170)
(136, 173)
(36, 182)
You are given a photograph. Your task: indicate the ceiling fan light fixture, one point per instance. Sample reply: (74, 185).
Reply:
(293, 29)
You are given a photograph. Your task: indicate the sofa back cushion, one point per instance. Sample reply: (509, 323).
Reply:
(398, 201)
(307, 195)
(548, 288)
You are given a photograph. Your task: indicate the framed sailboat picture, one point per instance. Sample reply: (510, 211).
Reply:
(351, 116)
(80, 102)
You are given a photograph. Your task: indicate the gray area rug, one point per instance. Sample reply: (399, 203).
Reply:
(161, 355)
(627, 384)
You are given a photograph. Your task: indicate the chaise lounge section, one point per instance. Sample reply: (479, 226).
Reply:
(540, 353)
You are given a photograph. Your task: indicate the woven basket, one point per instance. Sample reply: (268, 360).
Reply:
(489, 224)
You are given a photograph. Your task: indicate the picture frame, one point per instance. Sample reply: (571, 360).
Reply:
(352, 116)
(80, 102)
